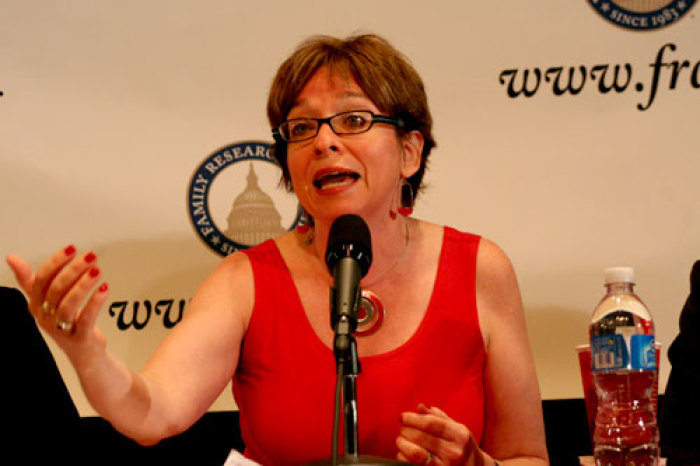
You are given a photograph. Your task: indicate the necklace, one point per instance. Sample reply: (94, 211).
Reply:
(407, 239)
(370, 312)
(371, 309)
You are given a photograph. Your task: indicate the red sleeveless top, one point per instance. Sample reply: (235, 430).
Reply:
(285, 381)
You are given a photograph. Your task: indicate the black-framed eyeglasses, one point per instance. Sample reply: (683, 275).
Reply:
(354, 122)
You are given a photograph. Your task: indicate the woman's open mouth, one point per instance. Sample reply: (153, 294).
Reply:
(335, 179)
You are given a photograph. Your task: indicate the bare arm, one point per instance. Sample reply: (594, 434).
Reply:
(514, 428)
(187, 371)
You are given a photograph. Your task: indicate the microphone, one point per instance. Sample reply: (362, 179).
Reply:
(348, 257)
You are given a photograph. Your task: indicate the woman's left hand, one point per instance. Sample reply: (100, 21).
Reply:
(429, 436)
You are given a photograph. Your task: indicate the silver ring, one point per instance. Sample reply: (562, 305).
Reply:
(47, 308)
(64, 325)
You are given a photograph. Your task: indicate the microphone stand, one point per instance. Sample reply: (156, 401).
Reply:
(351, 371)
(348, 363)
(345, 351)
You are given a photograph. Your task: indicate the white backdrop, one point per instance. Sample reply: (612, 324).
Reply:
(108, 107)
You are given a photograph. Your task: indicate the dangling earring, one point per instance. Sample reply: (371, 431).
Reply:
(306, 223)
(406, 207)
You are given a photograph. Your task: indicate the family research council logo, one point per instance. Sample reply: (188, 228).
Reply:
(640, 15)
(234, 199)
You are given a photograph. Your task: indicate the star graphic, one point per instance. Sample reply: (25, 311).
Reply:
(605, 6)
(682, 5)
(215, 239)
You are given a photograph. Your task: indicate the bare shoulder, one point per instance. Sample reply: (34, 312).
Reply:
(236, 265)
(229, 289)
(494, 271)
(235, 270)
(492, 261)
(497, 290)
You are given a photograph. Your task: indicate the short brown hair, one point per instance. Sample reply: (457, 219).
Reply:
(381, 71)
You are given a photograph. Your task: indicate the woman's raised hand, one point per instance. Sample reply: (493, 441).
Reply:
(429, 436)
(65, 299)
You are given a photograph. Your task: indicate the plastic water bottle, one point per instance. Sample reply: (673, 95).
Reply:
(623, 361)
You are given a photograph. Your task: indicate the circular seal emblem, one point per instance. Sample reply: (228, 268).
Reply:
(642, 15)
(229, 201)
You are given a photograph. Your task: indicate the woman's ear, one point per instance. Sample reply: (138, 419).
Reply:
(412, 145)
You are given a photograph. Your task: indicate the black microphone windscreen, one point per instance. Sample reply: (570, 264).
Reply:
(349, 237)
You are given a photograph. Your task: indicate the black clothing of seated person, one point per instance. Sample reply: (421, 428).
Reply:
(679, 419)
(42, 416)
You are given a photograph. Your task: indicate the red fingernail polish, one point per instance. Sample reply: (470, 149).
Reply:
(94, 272)
(103, 287)
(70, 250)
(90, 257)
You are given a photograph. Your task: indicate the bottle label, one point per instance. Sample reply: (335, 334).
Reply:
(608, 352)
(642, 352)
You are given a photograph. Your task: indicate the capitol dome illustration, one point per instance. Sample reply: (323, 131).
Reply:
(253, 217)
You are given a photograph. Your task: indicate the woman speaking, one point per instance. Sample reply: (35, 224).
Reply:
(447, 372)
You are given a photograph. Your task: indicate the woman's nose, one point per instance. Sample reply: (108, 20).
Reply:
(326, 140)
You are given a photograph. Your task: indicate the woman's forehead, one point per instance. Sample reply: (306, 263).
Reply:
(327, 83)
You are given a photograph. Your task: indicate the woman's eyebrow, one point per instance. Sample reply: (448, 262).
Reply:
(344, 95)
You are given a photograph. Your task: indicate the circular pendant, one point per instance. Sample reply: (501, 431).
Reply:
(370, 314)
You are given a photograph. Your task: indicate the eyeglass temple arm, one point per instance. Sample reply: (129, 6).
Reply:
(392, 121)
